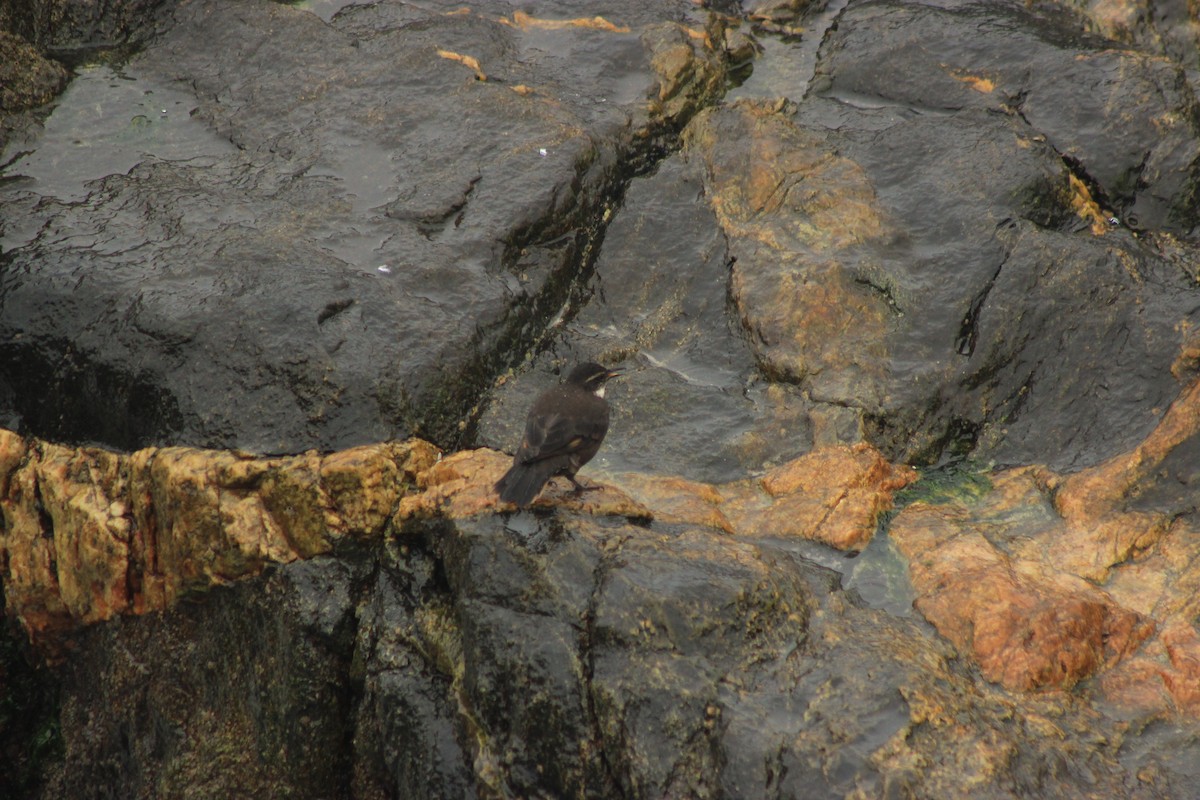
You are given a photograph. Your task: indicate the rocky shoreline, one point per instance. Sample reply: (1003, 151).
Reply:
(906, 293)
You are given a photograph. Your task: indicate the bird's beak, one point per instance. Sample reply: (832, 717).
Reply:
(615, 372)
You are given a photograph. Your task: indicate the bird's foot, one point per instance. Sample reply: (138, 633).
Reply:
(580, 488)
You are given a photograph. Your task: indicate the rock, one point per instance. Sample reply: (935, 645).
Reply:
(1154, 476)
(1168, 29)
(1027, 626)
(26, 78)
(409, 732)
(916, 260)
(78, 29)
(585, 658)
(28, 715)
(286, 230)
(692, 403)
(461, 485)
(380, 250)
(246, 689)
(777, 16)
(914, 294)
(1048, 581)
(503, 653)
(833, 496)
(811, 321)
(1058, 83)
(90, 534)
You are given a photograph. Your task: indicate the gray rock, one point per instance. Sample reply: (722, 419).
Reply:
(692, 401)
(917, 249)
(896, 252)
(1024, 334)
(243, 691)
(1125, 120)
(384, 204)
(555, 657)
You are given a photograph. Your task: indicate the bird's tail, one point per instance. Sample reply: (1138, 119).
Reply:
(522, 482)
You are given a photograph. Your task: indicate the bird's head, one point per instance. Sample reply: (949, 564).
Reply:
(592, 376)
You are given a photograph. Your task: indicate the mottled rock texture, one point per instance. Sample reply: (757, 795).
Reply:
(27, 78)
(382, 209)
(567, 655)
(1047, 580)
(831, 242)
(89, 534)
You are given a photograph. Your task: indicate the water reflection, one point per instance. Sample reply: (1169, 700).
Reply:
(105, 123)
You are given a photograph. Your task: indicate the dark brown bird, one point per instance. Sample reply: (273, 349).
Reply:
(565, 427)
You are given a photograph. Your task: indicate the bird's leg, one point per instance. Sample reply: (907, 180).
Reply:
(581, 488)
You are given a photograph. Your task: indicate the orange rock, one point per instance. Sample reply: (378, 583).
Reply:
(80, 490)
(65, 538)
(833, 495)
(29, 558)
(1183, 678)
(678, 500)
(522, 20)
(365, 484)
(458, 485)
(1093, 493)
(1025, 624)
(1187, 363)
(1117, 19)
(1165, 675)
(89, 533)
(688, 69)
(461, 485)
(1046, 580)
(1167, 582)
(802, 219)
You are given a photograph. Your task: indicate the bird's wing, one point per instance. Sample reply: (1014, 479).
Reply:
(557, 434)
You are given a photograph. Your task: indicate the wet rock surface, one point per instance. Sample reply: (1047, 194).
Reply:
(90, 534)
(1049, 580)
(693, 403)
(601, 646)
(915, 233)
(560, 656)
(966, 132)
(919, 292)
(376, 208)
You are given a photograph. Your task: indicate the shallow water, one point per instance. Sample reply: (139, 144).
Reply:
(787, 64)
(105, 123)
(325, 9)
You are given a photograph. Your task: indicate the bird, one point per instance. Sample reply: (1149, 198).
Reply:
(565, 427)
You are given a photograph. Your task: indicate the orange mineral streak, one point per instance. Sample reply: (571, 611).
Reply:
(89, 534)
(1086, 208)
(1047, 580)
(832, 495)
(522, 20)
(470, 62)
(979, 83)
